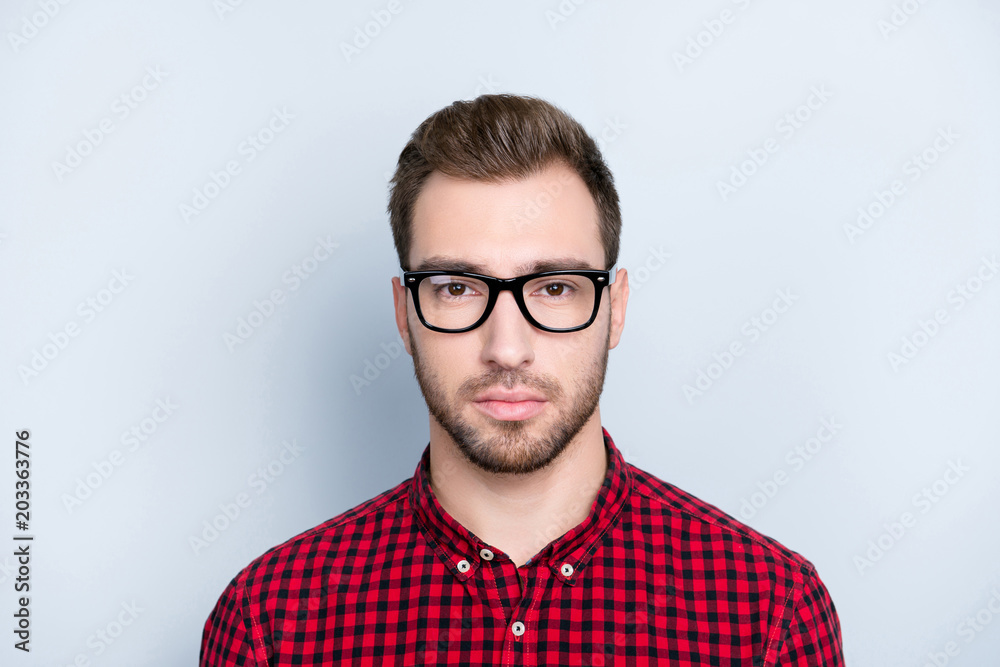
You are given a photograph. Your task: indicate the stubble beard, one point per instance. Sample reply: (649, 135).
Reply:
(510, 448)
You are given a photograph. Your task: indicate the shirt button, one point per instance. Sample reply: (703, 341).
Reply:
(486, 554)
(517, 628)
(566, 569)
(463, 565)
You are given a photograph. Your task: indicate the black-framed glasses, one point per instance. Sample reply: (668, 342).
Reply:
(556, 301)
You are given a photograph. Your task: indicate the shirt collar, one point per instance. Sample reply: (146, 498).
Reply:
(567, 555)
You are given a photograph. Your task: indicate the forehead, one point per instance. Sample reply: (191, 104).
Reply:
(507, 228)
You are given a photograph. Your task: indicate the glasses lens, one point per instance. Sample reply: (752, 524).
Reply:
(452, 302)
(560, 301)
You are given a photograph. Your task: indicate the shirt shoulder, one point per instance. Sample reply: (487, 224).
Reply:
(317, 551)
(688, 514)
(285, 581)
(723, 559)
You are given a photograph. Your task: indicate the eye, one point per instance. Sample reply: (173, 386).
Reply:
(556, 290)
(454, 289)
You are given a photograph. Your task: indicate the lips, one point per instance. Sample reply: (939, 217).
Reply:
(507, 405)
(509, 395)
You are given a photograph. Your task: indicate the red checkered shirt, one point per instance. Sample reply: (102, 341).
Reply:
(652, 576)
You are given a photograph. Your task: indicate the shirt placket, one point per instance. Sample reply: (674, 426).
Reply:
(501, 584)
(513, 595)
(521, 638)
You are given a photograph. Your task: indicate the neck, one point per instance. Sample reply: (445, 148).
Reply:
(520, 514)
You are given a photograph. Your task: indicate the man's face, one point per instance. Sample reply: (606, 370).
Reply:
(510, 396)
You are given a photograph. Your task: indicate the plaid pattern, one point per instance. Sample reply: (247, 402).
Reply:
(652, 576)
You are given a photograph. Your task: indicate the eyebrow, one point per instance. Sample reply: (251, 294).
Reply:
(443, 263)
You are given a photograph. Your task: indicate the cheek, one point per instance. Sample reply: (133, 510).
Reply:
(574, 354)
(583, 346)
(448, 360)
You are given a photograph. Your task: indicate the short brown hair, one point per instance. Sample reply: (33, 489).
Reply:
(496, 138)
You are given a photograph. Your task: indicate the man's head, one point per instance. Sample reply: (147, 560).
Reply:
(506, 186)
(497, 138)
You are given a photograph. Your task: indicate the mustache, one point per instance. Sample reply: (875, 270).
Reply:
(509, 379)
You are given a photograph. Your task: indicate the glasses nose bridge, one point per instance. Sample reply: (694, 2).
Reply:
(513, 285)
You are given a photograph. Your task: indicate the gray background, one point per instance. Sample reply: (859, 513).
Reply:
(894, 77)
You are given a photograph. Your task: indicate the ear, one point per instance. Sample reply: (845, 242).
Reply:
(400, 297)
(618, 293)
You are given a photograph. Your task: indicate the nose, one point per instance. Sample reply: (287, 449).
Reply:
(508, 338)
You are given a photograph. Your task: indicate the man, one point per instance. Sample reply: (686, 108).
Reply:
(523, 537)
